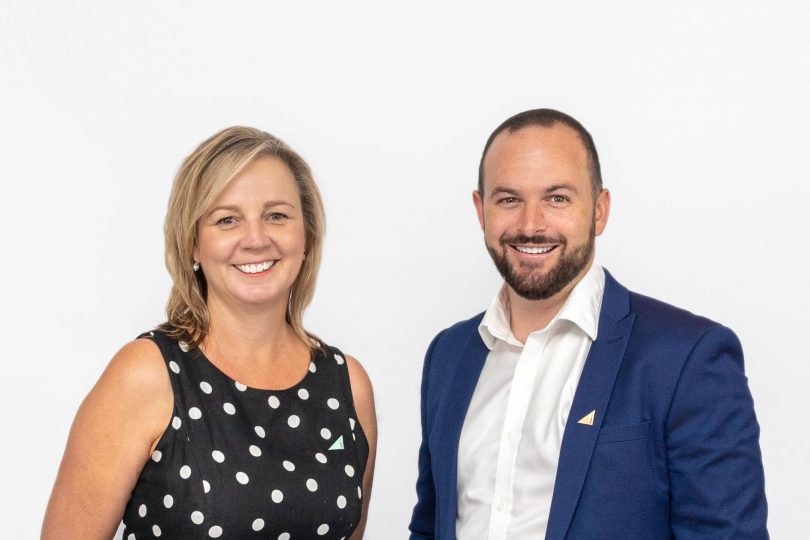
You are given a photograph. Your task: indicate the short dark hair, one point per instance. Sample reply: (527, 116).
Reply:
(547, 118)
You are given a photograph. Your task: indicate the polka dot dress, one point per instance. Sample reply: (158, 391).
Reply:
(239, 462)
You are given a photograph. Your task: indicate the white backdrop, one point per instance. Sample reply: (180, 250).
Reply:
(700, 113)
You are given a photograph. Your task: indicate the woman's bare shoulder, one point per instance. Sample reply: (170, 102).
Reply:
(138, 380)
(361, 383)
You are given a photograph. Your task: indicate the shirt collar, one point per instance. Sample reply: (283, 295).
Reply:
(582, 308)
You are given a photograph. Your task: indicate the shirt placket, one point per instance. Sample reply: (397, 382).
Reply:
(517, 406)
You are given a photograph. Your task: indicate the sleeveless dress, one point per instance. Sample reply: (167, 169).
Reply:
(239, 462)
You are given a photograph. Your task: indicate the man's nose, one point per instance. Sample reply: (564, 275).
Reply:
(533, 219)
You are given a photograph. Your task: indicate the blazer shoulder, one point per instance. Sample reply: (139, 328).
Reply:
(448, 345)
(461, 330)
(668, 323)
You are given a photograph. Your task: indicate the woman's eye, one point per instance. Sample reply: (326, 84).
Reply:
(277, 216)
(230, 220)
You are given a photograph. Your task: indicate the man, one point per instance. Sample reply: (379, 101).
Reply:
(573, 408)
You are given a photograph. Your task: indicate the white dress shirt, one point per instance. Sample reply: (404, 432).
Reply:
(510, 442)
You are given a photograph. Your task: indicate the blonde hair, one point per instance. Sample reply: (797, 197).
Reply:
(203, 175)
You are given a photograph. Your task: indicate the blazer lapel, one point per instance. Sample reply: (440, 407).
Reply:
(593, 394)
(450, 419)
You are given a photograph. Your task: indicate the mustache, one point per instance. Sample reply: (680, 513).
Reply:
(537, 239)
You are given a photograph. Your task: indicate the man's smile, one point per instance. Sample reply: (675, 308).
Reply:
(532, 250)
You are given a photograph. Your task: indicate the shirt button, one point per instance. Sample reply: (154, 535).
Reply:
(499, 508)
(509, 436)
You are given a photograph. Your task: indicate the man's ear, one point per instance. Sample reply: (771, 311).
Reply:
(479, 207)
(601, 211)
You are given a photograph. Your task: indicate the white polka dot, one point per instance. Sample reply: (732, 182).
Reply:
(323, 529)
(349, 470)
(174, 367)
(197, 517)
(259, 431)
(156, 530)
(293, 421)
(156, 455)
(258, 524)
(351, 423)
(339, 359)
(312, 485)
(229, 408)
(320, 457)
(195, 413)
(255, 451)
(218, 456)
(215, 531)
(284, 536)
(273, 402)
(277, 496)
(206, 486)
(333, 403)
(130, 536)
(242, 478)
(168, 501)
(239, 386)
(185, 472)
(205, 387)
(289, 465)
(183, 346)
(312, 368)
(176, 423)
(359, 493)
(326, 434)
(341, 502)
(354, 437)
(142, 510)
(303, 393)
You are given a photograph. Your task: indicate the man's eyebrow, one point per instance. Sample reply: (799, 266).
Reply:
(501, 190)
(558, 187)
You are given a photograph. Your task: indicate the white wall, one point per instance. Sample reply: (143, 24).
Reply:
(700, 113)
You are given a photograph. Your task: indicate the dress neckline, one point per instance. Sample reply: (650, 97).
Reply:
(311, 368)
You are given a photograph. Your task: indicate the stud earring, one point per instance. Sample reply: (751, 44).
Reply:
(195, 266)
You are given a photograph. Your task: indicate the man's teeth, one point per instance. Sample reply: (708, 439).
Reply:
(255, 268)
(533, 250)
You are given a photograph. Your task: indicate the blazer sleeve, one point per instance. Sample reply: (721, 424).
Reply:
(423, 520)
(712, 442)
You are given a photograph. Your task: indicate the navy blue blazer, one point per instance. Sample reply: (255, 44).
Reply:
(673, 451)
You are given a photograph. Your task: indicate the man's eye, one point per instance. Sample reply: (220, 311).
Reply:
(559, 199)
(508, 200)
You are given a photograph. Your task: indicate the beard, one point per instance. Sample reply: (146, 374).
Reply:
(527, 280)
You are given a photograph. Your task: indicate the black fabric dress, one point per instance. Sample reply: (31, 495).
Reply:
(239, 462)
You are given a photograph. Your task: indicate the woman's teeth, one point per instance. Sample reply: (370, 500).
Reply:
(254, 268)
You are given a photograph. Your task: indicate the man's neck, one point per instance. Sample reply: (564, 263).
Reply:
(527, 316)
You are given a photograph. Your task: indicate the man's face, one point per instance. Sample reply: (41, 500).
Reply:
(538, 211)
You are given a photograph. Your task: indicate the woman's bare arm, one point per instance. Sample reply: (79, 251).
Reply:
(112, 436)
(363, 395)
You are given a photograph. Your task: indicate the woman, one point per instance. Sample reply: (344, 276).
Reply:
(230, 420)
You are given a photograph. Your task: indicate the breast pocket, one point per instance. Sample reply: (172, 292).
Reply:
(631, 432)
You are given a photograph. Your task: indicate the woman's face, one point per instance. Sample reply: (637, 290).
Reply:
(251, 242)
